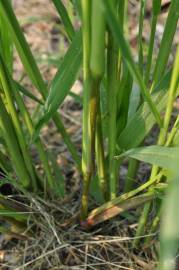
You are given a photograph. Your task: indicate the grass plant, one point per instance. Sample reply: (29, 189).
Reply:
(123, 99)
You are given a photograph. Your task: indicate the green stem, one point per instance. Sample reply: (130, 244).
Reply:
(124, 84)
(97, 59)
(140, 38)
(142, 223)
(155, 12)
(9, 135)
(154, 226)
(169, 106)
(150, 49)
(7, 87)
(121, 42)
(43, 157)
(93, 64)
(87, 159)
(112, 87)
(173, 132)
(100, 157)
(131, 174)
(29, 124)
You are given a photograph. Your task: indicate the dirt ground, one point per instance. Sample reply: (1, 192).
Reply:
(59, 241)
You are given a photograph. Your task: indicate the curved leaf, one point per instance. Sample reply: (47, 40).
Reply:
(63, 81)
(161, 156)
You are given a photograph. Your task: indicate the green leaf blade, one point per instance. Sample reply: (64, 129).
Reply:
(156, 155)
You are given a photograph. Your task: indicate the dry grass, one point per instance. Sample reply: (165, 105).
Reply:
(57, 241)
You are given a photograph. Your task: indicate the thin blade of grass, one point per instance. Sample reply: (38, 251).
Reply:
(156, 6)
(140, 36)
(26, 93)
(22, 47)
(65, 18)
(13, 214)
(5, 41)
(166, 43)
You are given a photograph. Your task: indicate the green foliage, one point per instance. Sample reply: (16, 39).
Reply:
(123, 100)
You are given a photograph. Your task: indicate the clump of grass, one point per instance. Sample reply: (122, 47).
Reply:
(115, 120)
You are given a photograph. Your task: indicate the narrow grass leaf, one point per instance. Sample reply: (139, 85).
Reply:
(156, 6)
(140, 37)
(66, 74)
(12, 214)
(26, 93)
(63, 81)
(22, 46)
(65, 18)
(5, 41)
(166, 43)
